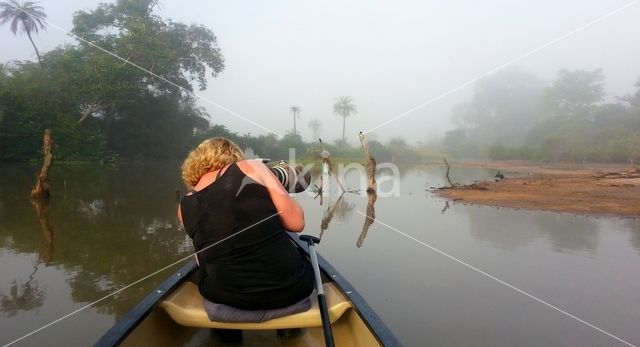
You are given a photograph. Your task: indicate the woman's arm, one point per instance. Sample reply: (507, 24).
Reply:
(291, 214)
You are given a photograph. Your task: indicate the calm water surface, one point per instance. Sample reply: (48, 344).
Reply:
(107, 227)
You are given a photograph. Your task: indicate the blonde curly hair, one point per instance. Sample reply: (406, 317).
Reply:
(210, 155)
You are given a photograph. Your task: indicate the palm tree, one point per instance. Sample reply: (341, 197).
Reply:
(26, 17)
(296, 114)
(315, 125)
(344, 107)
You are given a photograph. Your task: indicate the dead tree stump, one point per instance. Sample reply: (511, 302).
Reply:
(371, 165)
(41, 189)
(326, 159)
(447, 164)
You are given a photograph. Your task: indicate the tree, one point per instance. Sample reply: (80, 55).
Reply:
(35, 98)
(97, 104)
(315, 126)
(503, 107)
(344, 107)
(295, 110)
(26, 18)
(574, 94)
(634, 100)
(181, 54)
(454, 138)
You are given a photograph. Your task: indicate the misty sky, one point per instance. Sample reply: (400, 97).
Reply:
(390, 56)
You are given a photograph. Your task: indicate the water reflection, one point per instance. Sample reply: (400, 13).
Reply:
(509, 229)
(112, 229)
(445, 208)
(93, 208)
(23, 296)
(113, 226)
(42, 212)
(634, 230)
(568, 232)
(370, 217)
(329, 213)
(503, 228)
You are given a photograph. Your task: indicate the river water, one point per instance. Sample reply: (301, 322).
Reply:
(431, 270)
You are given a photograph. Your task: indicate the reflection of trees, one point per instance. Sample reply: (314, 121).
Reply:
(634, 229)
(567, 232)
(343, 209)
(510, 229)
(328, 214)
(505, 229)
(88, 287)
(25, 296)
(370, 217)
(92, 208)
(118, 226)
(340, 208)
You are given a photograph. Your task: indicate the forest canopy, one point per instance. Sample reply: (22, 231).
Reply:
(514, 115)
(99, 106)
(123, 90)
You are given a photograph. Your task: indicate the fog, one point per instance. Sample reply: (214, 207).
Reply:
(388, 56)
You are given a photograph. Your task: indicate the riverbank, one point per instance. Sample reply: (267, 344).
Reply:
(595, 189)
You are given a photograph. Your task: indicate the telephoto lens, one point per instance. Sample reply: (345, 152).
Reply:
(292, 177)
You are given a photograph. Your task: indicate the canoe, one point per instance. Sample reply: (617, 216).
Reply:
(172, 315)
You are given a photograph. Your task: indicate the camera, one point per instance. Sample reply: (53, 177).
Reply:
(292, 177)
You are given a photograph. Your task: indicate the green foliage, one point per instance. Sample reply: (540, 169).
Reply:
(503, 106)
(99, 106)
(291, 141)
(25, 18)
(585, 145)
(315, 125)
(32, 102)
(455, 138)
(341, 149)
(572, 125)
(574, 94)
(177, 52)
(344, 107)
(295, 110)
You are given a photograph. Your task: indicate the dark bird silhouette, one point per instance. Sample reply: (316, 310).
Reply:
(499, 176)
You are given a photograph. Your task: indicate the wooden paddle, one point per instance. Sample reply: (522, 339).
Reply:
(322, 301)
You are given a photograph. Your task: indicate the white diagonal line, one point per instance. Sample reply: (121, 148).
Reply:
(134, 283)
(501, 281)
(502, 66)
(126, 61)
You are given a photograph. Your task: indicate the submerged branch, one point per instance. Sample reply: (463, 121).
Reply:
(326, 159)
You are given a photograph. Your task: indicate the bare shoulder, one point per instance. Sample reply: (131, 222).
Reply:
(259, 172)
(254, 168)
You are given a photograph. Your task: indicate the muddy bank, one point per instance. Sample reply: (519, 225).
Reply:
(599, 189)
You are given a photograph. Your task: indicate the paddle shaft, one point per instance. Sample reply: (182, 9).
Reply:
(322, 301)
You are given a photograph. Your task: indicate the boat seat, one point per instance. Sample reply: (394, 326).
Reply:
(185, 306)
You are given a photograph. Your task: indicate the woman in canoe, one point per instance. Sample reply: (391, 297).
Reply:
(236, 213)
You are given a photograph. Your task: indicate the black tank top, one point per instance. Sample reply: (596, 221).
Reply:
(259, 267)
